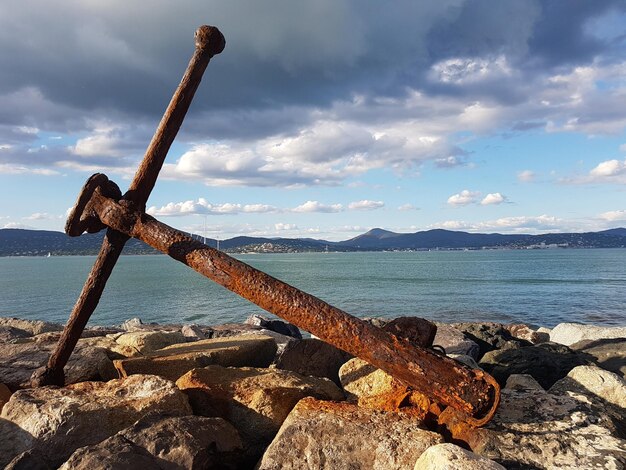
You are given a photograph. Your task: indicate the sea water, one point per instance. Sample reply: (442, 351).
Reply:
(537, 287)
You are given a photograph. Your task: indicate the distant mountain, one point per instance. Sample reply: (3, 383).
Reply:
(615, 231)
(378, 239)
(17, 242)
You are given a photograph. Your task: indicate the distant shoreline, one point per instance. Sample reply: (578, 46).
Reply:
(19, 242)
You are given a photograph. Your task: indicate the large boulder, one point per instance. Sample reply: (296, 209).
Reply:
(256, 401)
(10, 334)
(20, 360)
(538, 430)
(32, 327)
(546, 362)
(57, 421)
(603, 391)
(610, 354)
(187, 442)
(595, 382)
(174, 361)
(312, 357)
(490, 336)
(149, 341)
(453, 457)
(319, 434)
(570, 333)
(453, 341)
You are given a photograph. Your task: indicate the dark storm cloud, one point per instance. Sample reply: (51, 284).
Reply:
(70, 66)
(125, 56)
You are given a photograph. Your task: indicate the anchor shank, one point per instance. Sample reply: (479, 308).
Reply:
(470, 391)
(209, 41)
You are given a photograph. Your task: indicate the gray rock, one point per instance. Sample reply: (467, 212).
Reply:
(33, 327)
(570, 333)
(194, 333)
(132, 324)
(232, 329)
(537, 430)
(546, 362)
(56, 421)
(452, 457)
(490, 336)
(340, 436)
(523, 382)
(279, 326)
(595, 381)
(312, 357)
(29, 460)
(453, 341)
(9, 334)
(603, 391)
(610, 354)
(188, 442)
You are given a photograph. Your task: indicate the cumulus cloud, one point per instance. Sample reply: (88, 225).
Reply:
(316, 206)
(408, 207)
(609, 168)
(282, 227)
(526, 176)
(606, 172)
(365, 205)
(614, 216)
(514, 224)
(203, 207)
(493, 199)
(464, 198)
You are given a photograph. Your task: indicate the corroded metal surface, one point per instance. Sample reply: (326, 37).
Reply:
(209, 41)
(470, 391)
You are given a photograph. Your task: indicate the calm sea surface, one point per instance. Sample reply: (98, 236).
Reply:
(539, 287)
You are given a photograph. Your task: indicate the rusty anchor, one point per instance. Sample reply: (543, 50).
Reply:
(472, 394)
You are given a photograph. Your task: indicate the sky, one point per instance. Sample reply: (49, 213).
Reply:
(323, 119)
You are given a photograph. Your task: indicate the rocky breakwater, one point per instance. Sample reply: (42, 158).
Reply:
(258, 395)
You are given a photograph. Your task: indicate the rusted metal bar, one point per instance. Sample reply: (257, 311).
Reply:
(209, 41)
(472, 392)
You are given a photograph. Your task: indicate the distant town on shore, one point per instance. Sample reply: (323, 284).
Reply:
(20, 242)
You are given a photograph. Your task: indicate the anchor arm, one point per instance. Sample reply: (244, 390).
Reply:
(472, 392)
